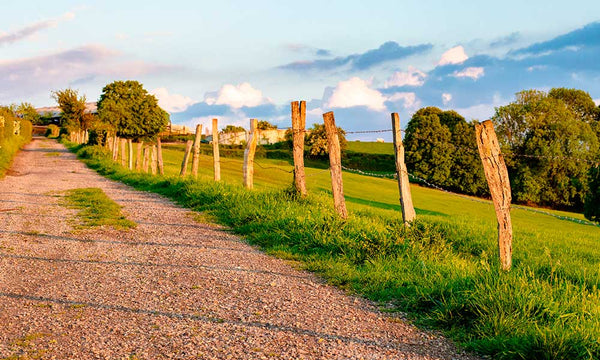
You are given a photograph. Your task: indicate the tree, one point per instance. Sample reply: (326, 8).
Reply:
(28, 112)
(316, 140)
(131, 111)
(592, 200)
(72, 107)
(233, 129)
(440, 148)
(265, 125)
(548, 145)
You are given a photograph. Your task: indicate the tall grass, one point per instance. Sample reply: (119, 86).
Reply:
(11, 143)
(442, 271)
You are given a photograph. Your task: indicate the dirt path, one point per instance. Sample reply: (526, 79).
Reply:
(171, 288)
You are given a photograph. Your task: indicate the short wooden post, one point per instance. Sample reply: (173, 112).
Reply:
(161, 168)
(499, 184)
(215, 145)
(138, 156)
(249, 155)
(186, 157)
(109, 142)
(196, 157)
(153, 160)
(123, 152)
(408, 210)
(335, 164)
(130, 148)
(146, 162)
(298, 130)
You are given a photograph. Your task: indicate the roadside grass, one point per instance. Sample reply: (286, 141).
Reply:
(443, 270)
(96, 209)
(367, 147)
(8, 149)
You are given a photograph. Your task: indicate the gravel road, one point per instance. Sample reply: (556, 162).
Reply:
(172, 288)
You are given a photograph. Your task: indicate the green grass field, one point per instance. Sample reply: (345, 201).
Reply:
(443, 270)
(371, 147)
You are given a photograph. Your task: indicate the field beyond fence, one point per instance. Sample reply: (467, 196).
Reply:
(443, 270)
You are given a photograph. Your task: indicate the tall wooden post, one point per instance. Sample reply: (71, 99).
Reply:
(161, 167)
(335, 164)
(215, 144)
(196, 157)
(249, 155)
(408, 210)
(298, 130)
(138, 156)
(153, 160)
(499, 184)
(186, 157)
(130, 148)
(146, 161)
(123, 152)
(115, 148)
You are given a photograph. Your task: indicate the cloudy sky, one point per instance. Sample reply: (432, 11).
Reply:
(236, 60)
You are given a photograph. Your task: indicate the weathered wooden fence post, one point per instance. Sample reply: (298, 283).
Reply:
(186, 157)
(138, 155)
(335, 164)
(249, 155)
(196, 157)
(161, 168)
(499, 184)
(146, 161)
(123, 152)
(298, 131)
(130, 148)
(115, 148)
(408, 210)
(215, 144)
(153, 160)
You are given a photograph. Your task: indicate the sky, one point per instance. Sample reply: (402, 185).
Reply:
(236, 60)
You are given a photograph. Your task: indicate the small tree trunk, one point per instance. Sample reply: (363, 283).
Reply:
(335, 164)
(249, 155)
(196, 157)
(499, 184)
(161, 168)
(215, 144)
(408, 210)
(298, 131)
(186, 157)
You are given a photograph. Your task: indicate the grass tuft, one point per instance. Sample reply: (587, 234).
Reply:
(96, 209)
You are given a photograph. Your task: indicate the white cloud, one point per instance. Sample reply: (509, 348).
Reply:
(537, 67)
(446, 98)
(236, 96)
(356, 92)
(409, 99)
(470, 72)
(30, 30)
(171, 102)
(456, 55)
(412, 77)
(597, 101)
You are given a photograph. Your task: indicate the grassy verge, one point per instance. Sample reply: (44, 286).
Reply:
(442, 271)
(8, 150)
(96, 209)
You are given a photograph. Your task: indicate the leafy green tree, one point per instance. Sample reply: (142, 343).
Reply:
(265, 125)
(592, 200)
(72, 107)
(233, 129)
(548, 147)
(28, 112)
(316, 140)
(131, 111)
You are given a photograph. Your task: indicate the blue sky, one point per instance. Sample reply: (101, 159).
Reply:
(236, 59)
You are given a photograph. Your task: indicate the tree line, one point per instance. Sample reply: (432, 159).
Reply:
(549, 140)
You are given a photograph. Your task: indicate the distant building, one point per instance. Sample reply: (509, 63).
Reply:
(53, 112)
